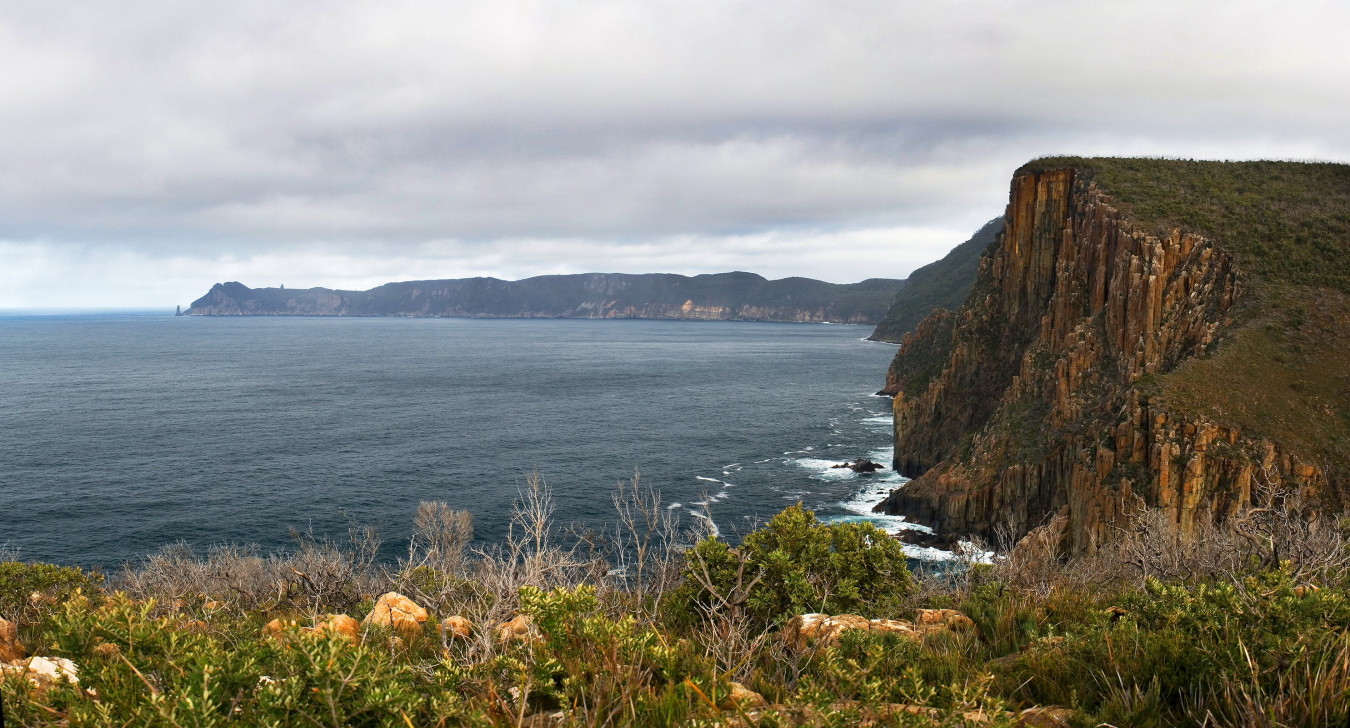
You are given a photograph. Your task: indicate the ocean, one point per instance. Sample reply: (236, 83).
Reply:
(124, 432)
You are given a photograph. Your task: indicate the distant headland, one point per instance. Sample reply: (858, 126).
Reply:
(734, 296)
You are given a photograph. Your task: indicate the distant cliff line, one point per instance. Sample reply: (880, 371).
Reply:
(734, 296)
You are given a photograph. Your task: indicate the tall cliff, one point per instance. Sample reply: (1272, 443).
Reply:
(723, 296)
(1118, 352)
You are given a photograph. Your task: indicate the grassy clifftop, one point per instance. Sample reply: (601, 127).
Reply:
(1285, 372)
(1286, 222)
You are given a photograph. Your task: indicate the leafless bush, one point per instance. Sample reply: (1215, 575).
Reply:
(734, 643)
(8, 553)
(440, 535)
(318, 575)
(1279, 530)
(486, 587)
(648, 544)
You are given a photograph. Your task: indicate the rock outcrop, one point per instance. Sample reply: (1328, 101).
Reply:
(1035, 397)
(821, 630)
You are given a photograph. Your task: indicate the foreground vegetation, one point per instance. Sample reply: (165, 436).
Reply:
(1244, 626)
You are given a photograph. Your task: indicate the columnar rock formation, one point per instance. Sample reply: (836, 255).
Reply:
(1034, 398)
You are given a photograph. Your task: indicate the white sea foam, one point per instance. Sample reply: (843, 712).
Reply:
(673, 506)
(710, 480)
(711, 523)
(824, 469)
(886, 420)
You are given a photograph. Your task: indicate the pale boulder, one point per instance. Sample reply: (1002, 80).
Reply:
(893, 626)
(1047, 717)
(10, 647)
(44, 671)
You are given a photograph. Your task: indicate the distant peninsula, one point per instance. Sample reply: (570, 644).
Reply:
(733, 296)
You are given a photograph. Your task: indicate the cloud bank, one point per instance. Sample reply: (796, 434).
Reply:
(149, 149)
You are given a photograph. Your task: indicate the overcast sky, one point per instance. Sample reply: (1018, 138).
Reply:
(150, 149)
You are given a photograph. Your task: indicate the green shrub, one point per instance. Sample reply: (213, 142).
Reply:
(794, 565)
(19, 583)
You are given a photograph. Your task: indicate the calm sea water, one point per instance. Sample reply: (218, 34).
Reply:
(120, 433)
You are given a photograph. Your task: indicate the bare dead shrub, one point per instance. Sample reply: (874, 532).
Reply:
(318, 575)
(648, 545)
(440, 535)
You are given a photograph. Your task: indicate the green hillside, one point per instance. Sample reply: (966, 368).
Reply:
(1285, 221)
(941, 284)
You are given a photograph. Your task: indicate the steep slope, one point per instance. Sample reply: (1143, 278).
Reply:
(940, 284)
(1151, 333)
(723, 296)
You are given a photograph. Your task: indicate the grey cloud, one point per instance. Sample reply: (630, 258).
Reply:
(671, 131)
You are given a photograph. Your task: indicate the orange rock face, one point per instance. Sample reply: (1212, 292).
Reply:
(339, 624)
(397, 611)
(275, 627)
(822, 630)
(10, 647)
(521, 627)
(457, 627)
(949, 618)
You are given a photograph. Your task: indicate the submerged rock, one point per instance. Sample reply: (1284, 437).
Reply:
(861, 465)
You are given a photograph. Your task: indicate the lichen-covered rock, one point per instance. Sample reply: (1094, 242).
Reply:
(277, 626)
(457, 627)
(745, 697)
(822, 630)
(339, 624)
(398, 612)
(942, 618)
(10, 647)
(1047, 717)
(519, 628)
